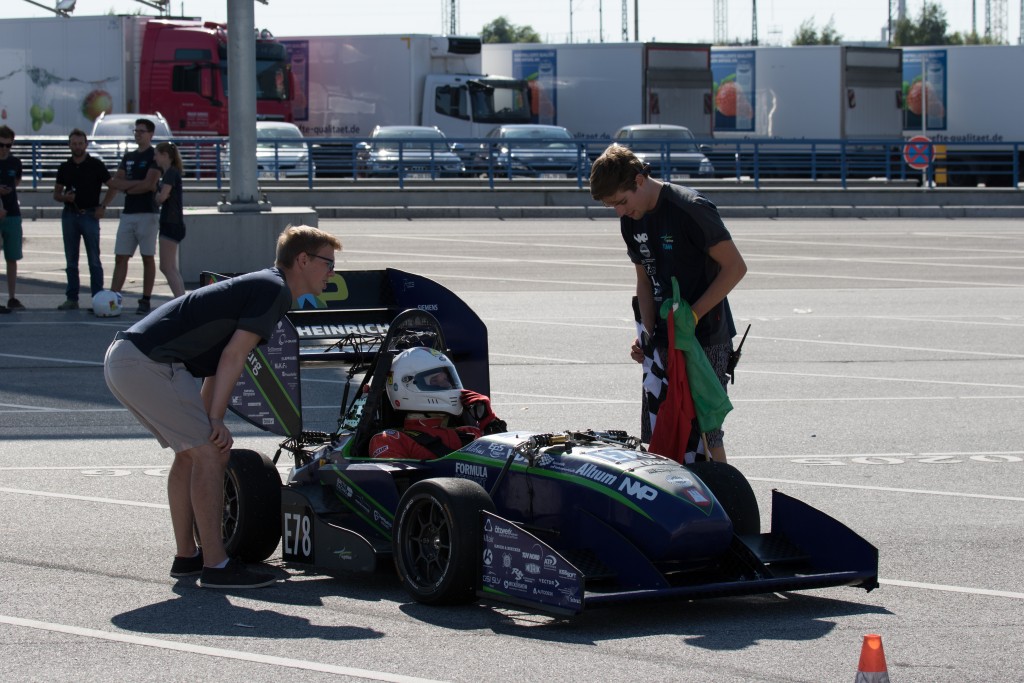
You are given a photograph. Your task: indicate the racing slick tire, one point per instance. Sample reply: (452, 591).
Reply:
(733, 491)
(437, 540)
(251, 527)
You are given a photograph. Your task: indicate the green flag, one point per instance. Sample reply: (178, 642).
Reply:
(709, 398)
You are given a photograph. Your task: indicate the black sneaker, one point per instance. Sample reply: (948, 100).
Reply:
(143, 307)
(15, 305)
(187, 566)
(234, 575)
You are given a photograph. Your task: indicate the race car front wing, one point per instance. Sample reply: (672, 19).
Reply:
(805, 549)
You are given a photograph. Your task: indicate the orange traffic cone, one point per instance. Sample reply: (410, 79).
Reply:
(872, 661)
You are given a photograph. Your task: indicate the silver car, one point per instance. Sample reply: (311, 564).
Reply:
(412, 151)
(531, 150)
(671, 151)
(114, 134)
(281, 151)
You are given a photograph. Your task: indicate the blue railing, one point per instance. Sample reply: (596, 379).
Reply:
(746, 161)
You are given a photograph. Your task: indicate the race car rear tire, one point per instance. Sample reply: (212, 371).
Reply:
(733, 491)
(437, 540)
(251, 527)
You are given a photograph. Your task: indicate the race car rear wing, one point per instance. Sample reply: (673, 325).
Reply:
(345, 325)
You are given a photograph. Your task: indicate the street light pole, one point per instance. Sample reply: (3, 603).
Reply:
(244, 189)
(570, 21)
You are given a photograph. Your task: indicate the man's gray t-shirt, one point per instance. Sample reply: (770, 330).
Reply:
(194, 329)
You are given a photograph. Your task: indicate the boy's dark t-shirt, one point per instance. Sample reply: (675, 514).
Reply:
(136, 166)
(674, 239)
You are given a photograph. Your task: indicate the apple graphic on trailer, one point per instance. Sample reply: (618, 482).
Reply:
(95, 103)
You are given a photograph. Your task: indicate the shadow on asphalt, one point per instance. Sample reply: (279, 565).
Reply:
(206, 612)
(724, 624)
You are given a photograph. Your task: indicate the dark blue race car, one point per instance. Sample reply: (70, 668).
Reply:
(552, 522)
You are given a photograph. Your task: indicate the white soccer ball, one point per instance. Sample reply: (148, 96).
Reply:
(106, 304)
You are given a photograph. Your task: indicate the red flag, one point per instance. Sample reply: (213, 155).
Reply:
(677, 412)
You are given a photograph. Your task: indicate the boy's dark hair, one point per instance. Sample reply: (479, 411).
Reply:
(6, 132)
(147, 124)
(78, 133)
(615, 171)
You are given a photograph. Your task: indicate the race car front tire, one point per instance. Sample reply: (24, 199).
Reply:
(437, 540)
(733, 491)
(251, 527)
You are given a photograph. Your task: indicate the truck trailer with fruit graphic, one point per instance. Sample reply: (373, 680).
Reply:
(57, 74)
(593, 89)
(839, 103)
(962, 98)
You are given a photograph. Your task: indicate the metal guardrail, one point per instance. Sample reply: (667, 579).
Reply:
(954, 163)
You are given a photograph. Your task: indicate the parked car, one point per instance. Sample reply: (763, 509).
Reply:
(671, 150)
(412, 151)
(114, 134)
(281, 152)
(531, 150)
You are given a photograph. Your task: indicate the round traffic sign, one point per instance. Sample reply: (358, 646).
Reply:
(918, 152)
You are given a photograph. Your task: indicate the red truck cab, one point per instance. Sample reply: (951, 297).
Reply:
(183, 74)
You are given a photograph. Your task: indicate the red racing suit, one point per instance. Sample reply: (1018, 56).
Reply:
(417, 434)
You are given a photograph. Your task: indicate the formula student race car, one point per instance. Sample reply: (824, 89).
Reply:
(551, 522)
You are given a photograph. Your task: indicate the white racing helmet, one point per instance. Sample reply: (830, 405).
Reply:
(423, 380)
(106, 304)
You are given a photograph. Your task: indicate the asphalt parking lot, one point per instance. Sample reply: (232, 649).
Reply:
(882, 382)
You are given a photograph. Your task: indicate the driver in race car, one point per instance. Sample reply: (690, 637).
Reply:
(424, 386)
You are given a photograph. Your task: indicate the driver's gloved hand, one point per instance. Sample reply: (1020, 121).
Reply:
(479, 407)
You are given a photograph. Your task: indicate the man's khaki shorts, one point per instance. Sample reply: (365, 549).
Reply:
(137, 230)
(164, 397)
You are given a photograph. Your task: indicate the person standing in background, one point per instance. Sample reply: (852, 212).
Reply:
(137, 176)
(79, 180)
(10, 216)
(172, 218)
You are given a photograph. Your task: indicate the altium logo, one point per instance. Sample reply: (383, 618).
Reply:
(593, 472)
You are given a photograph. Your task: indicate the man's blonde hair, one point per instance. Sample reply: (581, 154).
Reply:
(298, 239)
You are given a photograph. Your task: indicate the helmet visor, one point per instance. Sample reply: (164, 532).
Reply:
(436, 379)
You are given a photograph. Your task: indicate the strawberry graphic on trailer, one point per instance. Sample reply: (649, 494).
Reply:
(731, 100)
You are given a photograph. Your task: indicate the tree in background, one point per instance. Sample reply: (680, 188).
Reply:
(501, 30)
(808, 34)
(929, 29)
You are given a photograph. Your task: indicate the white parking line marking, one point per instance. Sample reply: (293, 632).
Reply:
(574, 361)
(836, 456)
(52, 360)
(880, 279)
(189, 648)
(873, 378)
(19, 408)
(916, 248)
(890, 489)
(89, 499)
(952, 589)
(827, 399)
(891, 346)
